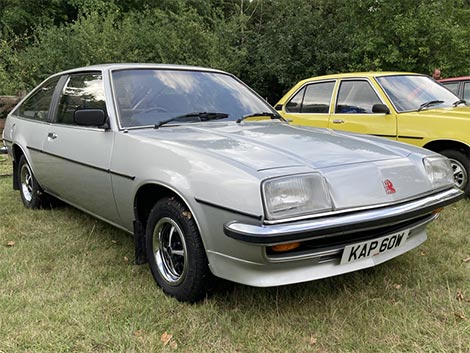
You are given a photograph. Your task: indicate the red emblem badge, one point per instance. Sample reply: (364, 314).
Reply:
(388, 186)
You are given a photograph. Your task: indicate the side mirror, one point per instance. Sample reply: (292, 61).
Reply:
(278, 107)
(380, 108)
(90, 117)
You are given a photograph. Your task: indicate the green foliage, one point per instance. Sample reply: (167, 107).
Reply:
(411, 36)
(270, 44)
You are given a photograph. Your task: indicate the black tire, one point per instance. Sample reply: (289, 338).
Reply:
(175, 252)
(461, 166)
(32, 195)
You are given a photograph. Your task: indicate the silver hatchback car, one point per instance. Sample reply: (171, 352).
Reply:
(211, 181)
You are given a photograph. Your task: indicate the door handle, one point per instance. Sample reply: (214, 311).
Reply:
(338, 121)
(51, 136)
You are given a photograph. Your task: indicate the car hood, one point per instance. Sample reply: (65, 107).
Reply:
(461, 112)
(268, 145)
(357, 168)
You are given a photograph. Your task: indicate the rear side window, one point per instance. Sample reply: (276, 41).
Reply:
(453, 87)
(356, 97)
(314, 98)
(37, 105)
(82, 91)
(466, 91)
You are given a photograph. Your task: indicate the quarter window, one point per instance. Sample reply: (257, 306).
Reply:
(295, 104)
(356, 97)
(314, 98)
(37, 105)
(82, 91)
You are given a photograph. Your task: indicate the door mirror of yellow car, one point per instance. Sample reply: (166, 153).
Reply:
(380, 108)
(278, 107)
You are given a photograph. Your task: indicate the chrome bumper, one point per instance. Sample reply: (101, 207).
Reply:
(341, 224)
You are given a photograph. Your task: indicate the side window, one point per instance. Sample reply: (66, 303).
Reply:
(295, 104)
(318, 97)
(82, 91)
(466, 91)
(356, 97)
(37, 105)
(314, 98)
(453, 87)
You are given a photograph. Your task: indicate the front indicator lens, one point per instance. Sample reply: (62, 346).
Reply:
(295, 196)
(285, 247)
(439, 171)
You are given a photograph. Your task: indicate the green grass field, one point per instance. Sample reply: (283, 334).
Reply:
(68, 284)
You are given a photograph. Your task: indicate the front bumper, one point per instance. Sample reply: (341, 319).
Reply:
(344, 223)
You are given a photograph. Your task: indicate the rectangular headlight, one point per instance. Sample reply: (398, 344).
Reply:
(439, 171)
(295, 195)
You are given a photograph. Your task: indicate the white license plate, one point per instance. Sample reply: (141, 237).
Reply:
(375, 247)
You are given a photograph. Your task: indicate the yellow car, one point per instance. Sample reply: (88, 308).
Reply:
(407, 107)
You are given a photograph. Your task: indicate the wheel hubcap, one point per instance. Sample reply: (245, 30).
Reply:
(169, 249)
(26, 182)
(460, 174)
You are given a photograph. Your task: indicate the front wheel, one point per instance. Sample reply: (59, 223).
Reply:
(175, 251)
(460, 166)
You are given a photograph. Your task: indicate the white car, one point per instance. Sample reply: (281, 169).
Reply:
(212, 182)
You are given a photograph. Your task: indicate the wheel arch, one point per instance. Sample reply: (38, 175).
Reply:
(441, 145)
(145, 198)
(17, 152)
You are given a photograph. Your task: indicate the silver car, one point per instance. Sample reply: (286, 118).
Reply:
(212, 182)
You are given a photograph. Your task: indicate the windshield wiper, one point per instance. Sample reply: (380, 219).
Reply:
(201, 116)
(270, 114)
(428, 104)
(460, 101)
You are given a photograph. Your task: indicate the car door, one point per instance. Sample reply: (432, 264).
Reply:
(310, 105)
(353, 110)
(78, 157)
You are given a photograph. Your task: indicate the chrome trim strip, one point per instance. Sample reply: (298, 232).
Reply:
(347, 223)
(411, 137)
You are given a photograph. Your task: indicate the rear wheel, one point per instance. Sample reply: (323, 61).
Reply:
(460, 166)
(31, 193)
(175, 251)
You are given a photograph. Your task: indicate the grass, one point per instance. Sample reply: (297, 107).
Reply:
(68, 284)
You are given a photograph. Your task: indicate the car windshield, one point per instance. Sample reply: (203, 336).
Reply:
(414, 92)
(147, 97)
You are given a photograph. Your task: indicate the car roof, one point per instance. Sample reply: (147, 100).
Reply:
(121, 66)
(368, 74)
(460, 78)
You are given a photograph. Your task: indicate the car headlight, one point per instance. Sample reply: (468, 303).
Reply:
(295, 195)
(439, 171)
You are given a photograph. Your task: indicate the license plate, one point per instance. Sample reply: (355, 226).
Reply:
(375, 247)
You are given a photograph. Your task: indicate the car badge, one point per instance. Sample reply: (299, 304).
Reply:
(388, 186)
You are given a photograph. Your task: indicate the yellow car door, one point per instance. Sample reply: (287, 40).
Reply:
(309, 104)
(359, 108)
